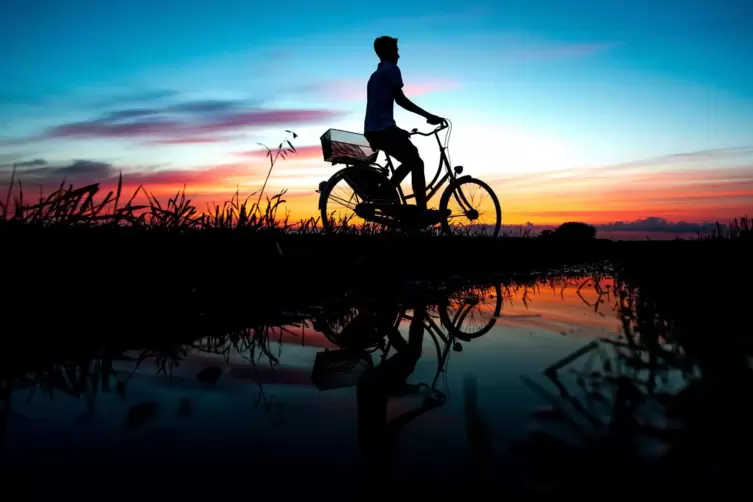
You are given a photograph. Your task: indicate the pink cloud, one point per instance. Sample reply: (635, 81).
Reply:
(421, 88)
(350, 90)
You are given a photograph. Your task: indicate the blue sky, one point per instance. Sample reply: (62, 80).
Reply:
(531, 86)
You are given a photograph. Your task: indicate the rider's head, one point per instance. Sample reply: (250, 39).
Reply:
(386, 49)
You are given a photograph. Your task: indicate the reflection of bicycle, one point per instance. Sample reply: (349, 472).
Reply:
(462, 316)
(472, 311)
(467, 313)
(363, 193)
(375, 334)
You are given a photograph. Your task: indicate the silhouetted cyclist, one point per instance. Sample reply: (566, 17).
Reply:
(384, 89)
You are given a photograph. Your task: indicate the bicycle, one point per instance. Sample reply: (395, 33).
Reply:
(463, 315)
(365, 191)
(467, 313)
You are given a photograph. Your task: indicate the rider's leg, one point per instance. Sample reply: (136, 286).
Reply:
(415, 166)
(402, 148)
(396, 143)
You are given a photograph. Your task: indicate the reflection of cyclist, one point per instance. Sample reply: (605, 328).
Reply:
(385, 88)
(375, 434)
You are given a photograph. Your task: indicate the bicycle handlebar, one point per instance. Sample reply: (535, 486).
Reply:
(441, 126)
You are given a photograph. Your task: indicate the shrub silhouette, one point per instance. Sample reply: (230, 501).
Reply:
(571, 230)
(576, 230)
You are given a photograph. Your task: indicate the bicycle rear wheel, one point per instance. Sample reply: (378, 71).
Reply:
(473, 208)
(339, 199)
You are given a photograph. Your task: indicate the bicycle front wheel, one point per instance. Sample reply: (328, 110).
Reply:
(471, 312)
(474, 209)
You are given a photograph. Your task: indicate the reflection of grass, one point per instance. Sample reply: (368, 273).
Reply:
(83, 366)
(676, 379)
(85, 377)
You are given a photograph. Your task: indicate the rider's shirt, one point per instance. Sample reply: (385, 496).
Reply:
(380, 98)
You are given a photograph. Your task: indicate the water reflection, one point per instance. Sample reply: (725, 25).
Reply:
(659, 404)
(567, 372)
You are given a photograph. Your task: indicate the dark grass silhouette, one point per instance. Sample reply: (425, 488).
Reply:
(738, 229)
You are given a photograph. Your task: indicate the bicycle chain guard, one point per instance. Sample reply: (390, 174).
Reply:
(388, 213)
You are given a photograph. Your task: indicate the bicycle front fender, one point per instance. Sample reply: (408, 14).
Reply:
(456, 181)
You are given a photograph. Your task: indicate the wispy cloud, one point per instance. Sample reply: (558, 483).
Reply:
(84, 98)
(182, 123)
(716, 154)
(646, 169)
(687, 186)
(655, 224)
(131, 97)
(78, 171)
(264, 118)
(24, 163)
(109, 129)
(84, 172)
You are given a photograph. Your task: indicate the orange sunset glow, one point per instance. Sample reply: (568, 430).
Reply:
(614, 123)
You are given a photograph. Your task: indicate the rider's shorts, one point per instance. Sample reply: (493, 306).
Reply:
(395, 142)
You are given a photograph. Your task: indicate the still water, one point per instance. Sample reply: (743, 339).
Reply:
(431, 390)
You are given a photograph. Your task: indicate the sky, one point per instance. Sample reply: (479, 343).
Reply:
(624, 114)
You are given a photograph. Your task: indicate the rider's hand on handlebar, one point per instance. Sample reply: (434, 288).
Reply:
(434, 120)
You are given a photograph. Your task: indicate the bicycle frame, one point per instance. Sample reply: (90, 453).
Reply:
(437, 336)
(436, 183)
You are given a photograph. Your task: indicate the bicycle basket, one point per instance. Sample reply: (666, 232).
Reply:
(343, 147)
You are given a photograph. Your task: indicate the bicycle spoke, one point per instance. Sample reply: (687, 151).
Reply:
(343, 202)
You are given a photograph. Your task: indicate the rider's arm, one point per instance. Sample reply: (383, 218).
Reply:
(396, 82)
(402, 100)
